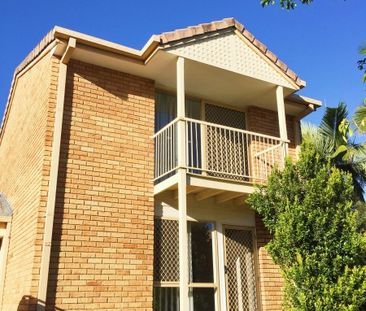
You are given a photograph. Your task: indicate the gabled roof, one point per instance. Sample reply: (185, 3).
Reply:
(59, 34)
(206, 28)
(162, 40)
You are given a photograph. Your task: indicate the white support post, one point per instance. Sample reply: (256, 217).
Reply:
(3, 259)
(221, 260)
(182, 190)
(282, 117)
(297, 134)
(203, 141)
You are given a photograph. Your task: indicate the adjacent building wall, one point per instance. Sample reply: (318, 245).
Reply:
(102, 252)
(22, 150)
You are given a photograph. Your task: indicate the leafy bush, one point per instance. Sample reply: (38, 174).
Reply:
(308, 208)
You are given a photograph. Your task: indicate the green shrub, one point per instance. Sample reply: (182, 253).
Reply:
(308, 208)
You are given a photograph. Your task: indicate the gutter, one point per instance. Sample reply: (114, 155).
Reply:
(104, 45)
(52, 188)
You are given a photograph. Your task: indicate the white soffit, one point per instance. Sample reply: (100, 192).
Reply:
(227, 51)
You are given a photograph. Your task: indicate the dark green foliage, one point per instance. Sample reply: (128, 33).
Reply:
(334, 139)
(362, 62)
(287, 4)
(308, 208)
(361, 220)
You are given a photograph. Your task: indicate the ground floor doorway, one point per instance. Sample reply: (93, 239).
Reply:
(222, 266)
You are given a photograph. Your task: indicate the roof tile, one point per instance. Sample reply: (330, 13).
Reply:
(281, 65)
(239, 26)
(207, 27)
(271, 56)
(248, 35)
(291, 74)
(260, 45)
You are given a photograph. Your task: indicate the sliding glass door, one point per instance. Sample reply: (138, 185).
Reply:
(239, 290)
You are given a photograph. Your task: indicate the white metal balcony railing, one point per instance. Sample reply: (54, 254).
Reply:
(217, 151)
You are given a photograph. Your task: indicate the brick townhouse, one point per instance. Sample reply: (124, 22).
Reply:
(125, 173)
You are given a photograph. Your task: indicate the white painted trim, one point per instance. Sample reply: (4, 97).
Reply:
(221, 260)
(297, 134)
(4, 258)
(230, 128)
(206, 182)
(216, 267)
(166, 184)
(183, 240)
(180, 88)
(182, 190)
(181, 130)
(282, 117)
(52, 188)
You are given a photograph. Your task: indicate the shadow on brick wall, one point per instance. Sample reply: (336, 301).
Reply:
(30, 303)
(60, 197)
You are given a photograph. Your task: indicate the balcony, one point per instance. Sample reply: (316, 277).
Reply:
(215, 154)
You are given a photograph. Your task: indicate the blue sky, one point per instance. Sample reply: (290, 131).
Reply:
(319, 42)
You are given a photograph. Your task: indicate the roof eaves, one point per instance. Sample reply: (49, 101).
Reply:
(46, 40)
(41, 46)
(304, 100)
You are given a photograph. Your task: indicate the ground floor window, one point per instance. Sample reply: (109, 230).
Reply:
(204, 267)
(166, 265)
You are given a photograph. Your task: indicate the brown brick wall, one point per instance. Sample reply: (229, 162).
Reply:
(22, 152)
(271, 283)
(270, 280)
(265, 121)
(102, 255)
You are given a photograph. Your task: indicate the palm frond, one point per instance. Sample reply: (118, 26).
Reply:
(359, 118)
(311, 134)
(332, 119)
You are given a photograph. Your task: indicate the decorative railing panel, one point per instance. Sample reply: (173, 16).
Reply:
(166, 156)
(218, 151)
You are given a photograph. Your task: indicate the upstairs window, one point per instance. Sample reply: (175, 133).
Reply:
(166, 109)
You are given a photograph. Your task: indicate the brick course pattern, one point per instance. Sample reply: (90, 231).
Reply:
(102, 251)
(270, 279)
(265, 121)
(22, 156)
